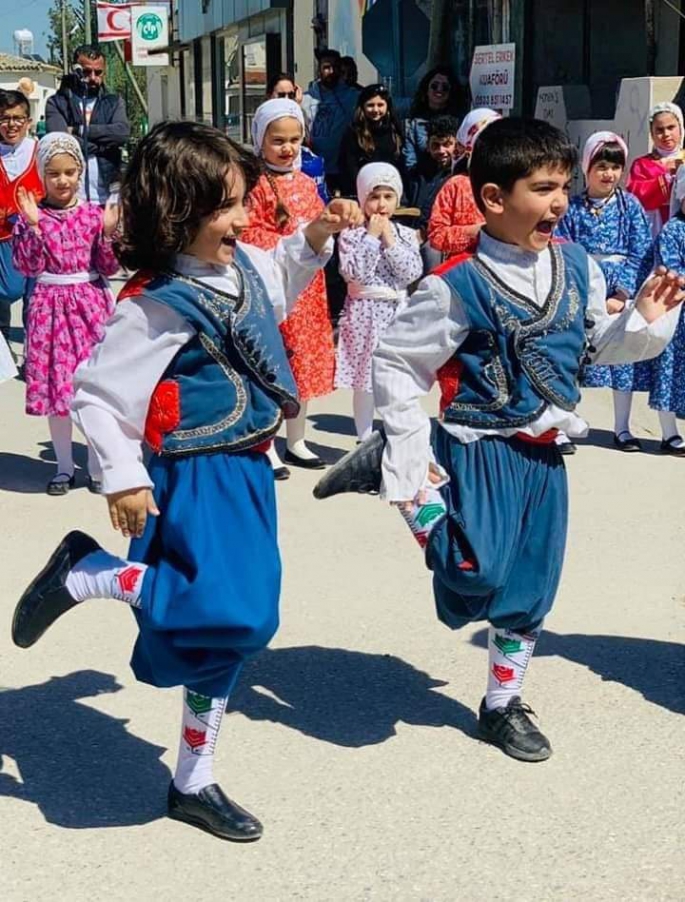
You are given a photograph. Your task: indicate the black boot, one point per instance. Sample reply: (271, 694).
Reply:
(211, 810)
(47, 597)
(357, 471)
(513, 731)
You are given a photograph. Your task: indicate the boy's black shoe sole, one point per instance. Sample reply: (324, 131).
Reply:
(513, 731)
(357, 471)
(211, 810)
(47, 598)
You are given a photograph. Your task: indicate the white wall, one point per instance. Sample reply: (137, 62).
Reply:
(45, 84)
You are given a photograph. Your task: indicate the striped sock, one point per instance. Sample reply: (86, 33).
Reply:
(202, 716)
(509, 654)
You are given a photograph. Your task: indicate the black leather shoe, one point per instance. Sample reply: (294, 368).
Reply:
(673, 445)
(211, 810)
(47, 598)
(281, 473)
(60, 484)
(307, 463)
(513, 731)
(357, 471)
(630, 444)
(94, 485)
(567, 448)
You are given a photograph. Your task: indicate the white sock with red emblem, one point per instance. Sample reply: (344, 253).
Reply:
(509, 655)
(202, 717)
(102, 575)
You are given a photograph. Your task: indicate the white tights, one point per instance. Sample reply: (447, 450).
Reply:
(294, 438)
(363, 408)
(61, 432)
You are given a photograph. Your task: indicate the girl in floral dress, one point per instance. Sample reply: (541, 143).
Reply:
(378, 260)
(65, 244)
(283, 200)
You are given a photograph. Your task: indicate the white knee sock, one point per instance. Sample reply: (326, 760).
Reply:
(202, 717)
(363, 408)
(623, 401)
(94, 468)
(272, 454)
(60, 435)
(421, 518)
(102, 575)
(509, 654)
(669, 424)
(294, 431)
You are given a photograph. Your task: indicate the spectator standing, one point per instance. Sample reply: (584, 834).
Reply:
(85, 108)
(438, 94)
(375, 136)
(328, 107)
(350, 73)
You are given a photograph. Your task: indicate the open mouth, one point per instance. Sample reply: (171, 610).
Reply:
(229, 241)
(546, 227)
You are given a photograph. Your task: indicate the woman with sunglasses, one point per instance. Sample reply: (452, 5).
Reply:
(375, 136)
(438, 94)
(283, 86)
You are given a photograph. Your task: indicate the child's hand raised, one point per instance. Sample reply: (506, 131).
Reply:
(110, 219)
(663, 291)
(128, 510)
(339, 214)
(28, 206)
(376, 225)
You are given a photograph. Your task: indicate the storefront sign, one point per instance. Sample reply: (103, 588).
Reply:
(149, 32)
(492, 76)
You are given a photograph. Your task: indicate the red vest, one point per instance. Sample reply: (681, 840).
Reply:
(9, 206)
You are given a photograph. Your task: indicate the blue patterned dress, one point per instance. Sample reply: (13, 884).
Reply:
(667, 391)
(618, 236)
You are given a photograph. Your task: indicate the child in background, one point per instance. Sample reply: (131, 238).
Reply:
(66, 245)
(504, 331)
(455, 219)
(281, 202)
(612, 227)
(378, 261)
(193, 364)
(667, 376)
(651, 176)
(18, 169)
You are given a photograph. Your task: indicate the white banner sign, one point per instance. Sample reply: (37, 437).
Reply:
(149, 31)
(492, 76)
(114, 22)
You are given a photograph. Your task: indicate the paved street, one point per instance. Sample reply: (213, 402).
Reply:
(353, 736)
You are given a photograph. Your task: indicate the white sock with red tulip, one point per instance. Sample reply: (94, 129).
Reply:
(509, 655)
(202, 716)
(102, 575)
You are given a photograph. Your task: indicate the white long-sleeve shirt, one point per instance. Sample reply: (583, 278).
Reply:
(426, 334)
(112, 389)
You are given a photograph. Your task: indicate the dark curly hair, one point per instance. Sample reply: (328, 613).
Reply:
(175, 180)
(456, 103)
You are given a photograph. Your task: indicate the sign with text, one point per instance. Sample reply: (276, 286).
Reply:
(114, 22)
(492, 78)
(149, 32)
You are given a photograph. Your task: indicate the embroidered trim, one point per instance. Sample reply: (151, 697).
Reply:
(551, 301)
(496, 375)
(242, 444)
(241, 397)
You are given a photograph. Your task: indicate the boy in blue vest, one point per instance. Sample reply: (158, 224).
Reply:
(505, 331)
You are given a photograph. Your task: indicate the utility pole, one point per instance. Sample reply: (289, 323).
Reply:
(65, 44)
(86, 22)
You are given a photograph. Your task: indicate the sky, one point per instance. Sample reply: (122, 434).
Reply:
(31, 14)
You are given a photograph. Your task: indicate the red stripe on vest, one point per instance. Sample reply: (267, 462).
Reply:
(451, 263)
(136, 284)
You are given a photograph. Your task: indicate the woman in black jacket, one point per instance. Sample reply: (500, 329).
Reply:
(375, 136)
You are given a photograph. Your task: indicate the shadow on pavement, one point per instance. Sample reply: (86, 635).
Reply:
(328, 454)
(604, 438)
(345, 697)
(82, 768)
(334, 423)
(20, 473)
(651, 667)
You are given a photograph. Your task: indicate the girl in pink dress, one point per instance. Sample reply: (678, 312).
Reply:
(65, 244)
(651, 176)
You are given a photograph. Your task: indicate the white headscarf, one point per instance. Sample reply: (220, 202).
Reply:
(674, 110)
(473, 124)
(271, 111)
(595, 143)
(376, 175)
(56, 143)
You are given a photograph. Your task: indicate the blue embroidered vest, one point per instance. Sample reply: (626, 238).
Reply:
(227, 388)
(518, 357)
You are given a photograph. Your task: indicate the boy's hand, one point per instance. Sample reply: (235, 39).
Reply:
(128, 510)
(420, 498)
(110, 219)
(661, 292)
(28, 206)
(615, 305)
(339, 214)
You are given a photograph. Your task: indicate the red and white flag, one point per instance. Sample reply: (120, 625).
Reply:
(114, 21)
